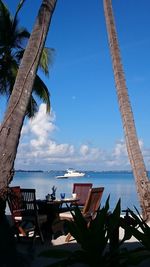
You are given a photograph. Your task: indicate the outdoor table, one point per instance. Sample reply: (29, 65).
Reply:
(57, 202)
(62, 201)
(52, 208)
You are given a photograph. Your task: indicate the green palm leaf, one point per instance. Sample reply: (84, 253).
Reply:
(41, 90)
(13, 40)
(46, 60)
(32, 108)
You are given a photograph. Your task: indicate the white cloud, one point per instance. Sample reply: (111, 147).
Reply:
(41, 124)
(84, 149)
(39, 150)
(120, 149)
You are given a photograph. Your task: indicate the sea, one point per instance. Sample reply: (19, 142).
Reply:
(117, 185)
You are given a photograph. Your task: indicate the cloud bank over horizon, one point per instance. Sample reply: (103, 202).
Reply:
(38, 149)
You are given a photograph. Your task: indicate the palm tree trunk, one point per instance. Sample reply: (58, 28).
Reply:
(133, 148)
(14, 116)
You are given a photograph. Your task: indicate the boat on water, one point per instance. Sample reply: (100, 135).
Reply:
(71, 173)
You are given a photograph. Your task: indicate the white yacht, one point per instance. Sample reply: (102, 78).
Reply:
(71, 173)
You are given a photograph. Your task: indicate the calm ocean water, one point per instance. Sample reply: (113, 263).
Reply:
(117, 184)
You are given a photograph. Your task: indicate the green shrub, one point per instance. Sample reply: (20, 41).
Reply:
(99, 239)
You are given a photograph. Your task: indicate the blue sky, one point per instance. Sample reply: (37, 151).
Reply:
(84, 129)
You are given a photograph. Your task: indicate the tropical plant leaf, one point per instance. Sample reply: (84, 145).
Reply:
(32, 107)
(19, 7)
(93, 238)
(41, 91)
(13, 39)
(78, 227)
(46, 60)
(127, 229)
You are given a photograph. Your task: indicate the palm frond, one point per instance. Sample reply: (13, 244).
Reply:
(41, 90)
(46, 59)
(5, 24)
(8, 72)
(20, 36)
(19, 7)
(32, 108)
(12, 46)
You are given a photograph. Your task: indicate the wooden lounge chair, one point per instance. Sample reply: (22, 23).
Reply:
(23, 207)
(90, 208)
(81, 190)
(15, 206)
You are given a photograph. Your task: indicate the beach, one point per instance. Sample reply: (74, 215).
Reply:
(117, 184)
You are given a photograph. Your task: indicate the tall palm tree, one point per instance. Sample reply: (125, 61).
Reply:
(12, 46)
(11, 126)
(133, 148)
(14, 117)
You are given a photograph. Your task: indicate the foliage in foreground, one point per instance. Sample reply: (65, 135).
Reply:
(141, 232)
(99, 240)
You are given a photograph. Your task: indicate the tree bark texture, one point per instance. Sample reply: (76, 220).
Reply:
(133, 148)
(14, 116)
